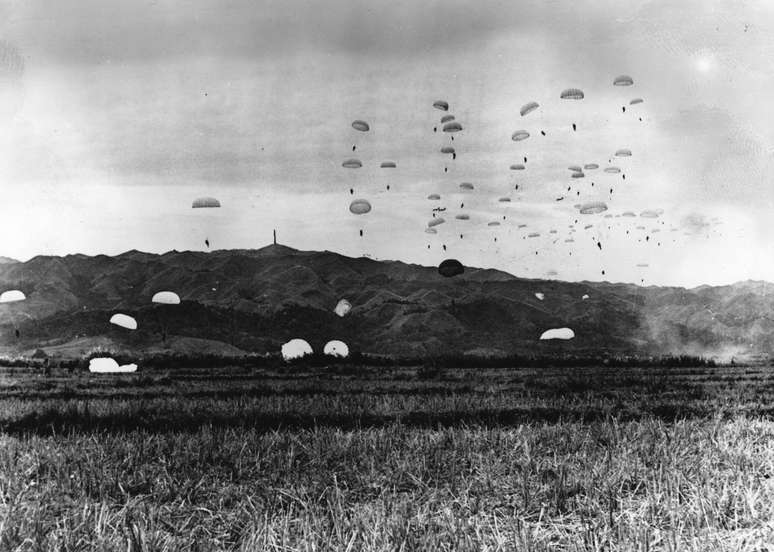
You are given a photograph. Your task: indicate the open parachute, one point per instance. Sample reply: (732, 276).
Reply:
(558, 333)
(441, 104)
(450, 268)
(124, 321)
(11, 296)
(336, 348)
(166, 298)
(360, 207)
(296, 348)
(362, 126)
(107, 365)
(572, 94)
(528, 108)
(593, 207)
(343, 307)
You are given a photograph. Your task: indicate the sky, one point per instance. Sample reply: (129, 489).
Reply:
(115, 116)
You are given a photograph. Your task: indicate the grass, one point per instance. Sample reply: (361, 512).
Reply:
(389, 458)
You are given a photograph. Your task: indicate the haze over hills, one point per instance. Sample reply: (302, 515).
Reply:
(255, 300)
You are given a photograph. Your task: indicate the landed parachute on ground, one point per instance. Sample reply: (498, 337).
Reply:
(519, 135)
(442, 105)
(124, 320)
(623, 80)
(435, 222)
(166, 298)
(352, 164)
(296, 348)
(558, 333)
(450, 267)
(360, 207)
(343, 307)
(336, 348)
(107, 365)
(452, 126)
(528, 108)
(593, 207)
(572, 94)
(388, 165)
(362, 126)
(205, 202)
(11, 296)
(447, 118)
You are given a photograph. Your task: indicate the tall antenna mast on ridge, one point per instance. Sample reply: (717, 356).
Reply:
(275, 237)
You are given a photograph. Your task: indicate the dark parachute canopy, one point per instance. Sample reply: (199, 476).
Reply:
(447, 149)
(352, 164)
(590, 166)
(452, 126)
(447, 118)
(612, 170)
(577, 175)
(442, 105)
(462, 217)
(636, 101)
(360, 207)
(504, 200)
(517, 167)
(388, 165)
(450, 267)
(528, 108)
(519, 135)
(493, 223)
(623, 80)
(575, 168)
(362, 126)
(624, 152)
(434, 197)
(435, 222)
(466, 186)
(205, 202)
(572, 94)
(593, 207)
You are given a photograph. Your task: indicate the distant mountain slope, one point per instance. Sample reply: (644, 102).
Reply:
(254, 300)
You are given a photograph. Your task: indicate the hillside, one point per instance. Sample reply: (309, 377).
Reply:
(254, 300)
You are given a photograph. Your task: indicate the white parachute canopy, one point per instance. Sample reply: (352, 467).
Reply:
(12, 295)
(106, 365)
(336, 348)
(124, 320)
(585, 296)
(296, 348)
(166, 298)
(558, 333)
(343, 307)
(540, 296)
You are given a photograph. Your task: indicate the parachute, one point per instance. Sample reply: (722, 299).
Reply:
(533, 235)
(360, 207)
(452, 126)
(540, 296)
(450, 267)
(12, 296)
(517, 167)
(558, 333)
(575, 168)
(388, 165)
(628, 214)
(504, 200)
(588, 226)
(519, 135)
(578, 175)
(528, 108)
(623, 153)
(643, 265)
(107, 365)
(362, 126)
(612, 170)
(336, 348)
(466, 186)
(590, 166)
(205, 202)
(342, 307)
(431, 231)
(123, 320)
(636, 101)
(462, 217)
(623, 80)
(434, 197)
(649, 213)
(166, 298)
(593, 207)
(442, 105)
(569, 240)
(296, 348)
(572, 94)
(447, 149)
(447, 118)
(493, 223)
(435, 222)
(352, 164)
(584, 297)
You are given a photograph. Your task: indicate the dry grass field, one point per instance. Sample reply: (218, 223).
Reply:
(388, 458)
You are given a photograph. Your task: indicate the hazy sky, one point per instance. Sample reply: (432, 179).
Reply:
(114, 116)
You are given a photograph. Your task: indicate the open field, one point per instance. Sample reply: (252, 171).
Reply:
(367, 458)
